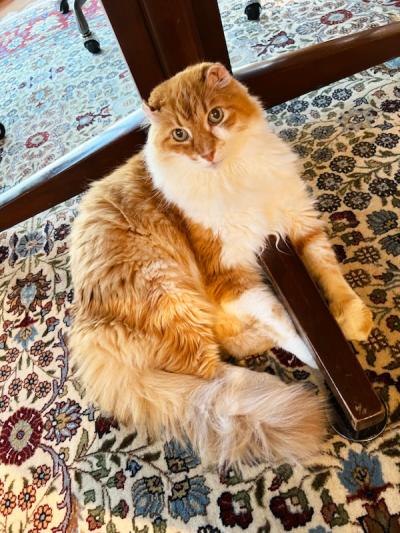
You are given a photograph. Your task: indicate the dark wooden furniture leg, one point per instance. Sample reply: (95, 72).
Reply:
(356, 399)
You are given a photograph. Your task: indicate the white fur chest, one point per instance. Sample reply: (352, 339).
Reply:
(242, 201)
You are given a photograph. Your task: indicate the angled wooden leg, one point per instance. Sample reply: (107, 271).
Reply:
(358, 403)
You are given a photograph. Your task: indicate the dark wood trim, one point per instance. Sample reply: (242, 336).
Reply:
(211, 31)
(297, 73)
(297, 291)
(174, 33)
(71, 174)
(186, 32)
(130, 26)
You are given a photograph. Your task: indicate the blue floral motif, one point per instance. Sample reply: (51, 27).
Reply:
(148, 496)
(341, 94)
(28, 293)
(180, 458)
(322, 101)
(323, 132)
(26, 335)
(360, 470)
(296, 119)
(30, 244)
(133, 467)
(391, 244)
(297, 106)
(189, 497)
(63, 420)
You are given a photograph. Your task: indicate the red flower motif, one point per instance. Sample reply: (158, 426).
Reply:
(45, 359)
(84, 120)
(15, 387)
(121, 509)
(42, 389)
(298, 513)
(93, 523)
(4, 403)
(120, 479)
(12, 354)
(20, 436)
(37, 139)
(235, 509)
(8, 502)
(95, 518)
(42, 517)
(41, 285)
(30, 381)
(104, 424)
(41, 475)
(27, 497)
(336, 17)
(280, 40)
(37, 348)
(5, 371)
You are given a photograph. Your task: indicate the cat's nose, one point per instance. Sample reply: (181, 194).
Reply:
(209, 156)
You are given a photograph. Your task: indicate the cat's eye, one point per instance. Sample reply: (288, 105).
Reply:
(215, 115)
(180, 135)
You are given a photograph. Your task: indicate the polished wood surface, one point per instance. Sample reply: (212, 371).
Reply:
(296, 73)
(336, 360)
(130, 26)
(187, 32)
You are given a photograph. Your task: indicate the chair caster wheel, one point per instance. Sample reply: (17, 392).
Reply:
(64, 7)
(93, 46)
(253, 11)
(2, 131)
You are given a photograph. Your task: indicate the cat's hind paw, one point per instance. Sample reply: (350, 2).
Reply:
(354, 318)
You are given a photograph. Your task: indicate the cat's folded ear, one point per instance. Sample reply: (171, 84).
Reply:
(151, 112)
(218, 76)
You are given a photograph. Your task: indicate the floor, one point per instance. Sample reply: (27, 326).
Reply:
(61, 460)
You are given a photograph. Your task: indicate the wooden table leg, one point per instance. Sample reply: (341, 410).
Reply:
(357, 400)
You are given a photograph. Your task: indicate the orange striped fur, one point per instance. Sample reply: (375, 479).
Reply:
(164, 266)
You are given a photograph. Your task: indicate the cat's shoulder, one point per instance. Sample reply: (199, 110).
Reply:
(128, 184)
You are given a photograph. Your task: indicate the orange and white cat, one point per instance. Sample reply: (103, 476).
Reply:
(164, 265)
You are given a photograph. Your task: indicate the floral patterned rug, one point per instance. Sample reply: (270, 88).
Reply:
(64, 466)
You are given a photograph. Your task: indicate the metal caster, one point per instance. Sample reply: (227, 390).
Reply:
(64, 7)
(253, 10)
(93, 46)
(2, 131)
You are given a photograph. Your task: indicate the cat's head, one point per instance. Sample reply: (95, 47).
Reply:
(201, 114)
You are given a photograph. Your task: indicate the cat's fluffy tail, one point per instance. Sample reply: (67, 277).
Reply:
(239, 416)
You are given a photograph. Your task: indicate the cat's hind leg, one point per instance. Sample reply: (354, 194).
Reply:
(267, 323)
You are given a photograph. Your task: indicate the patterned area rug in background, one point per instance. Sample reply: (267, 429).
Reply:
(63, 462)
(55, 95)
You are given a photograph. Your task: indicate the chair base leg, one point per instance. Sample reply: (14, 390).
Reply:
(253, 10)
(64, 7)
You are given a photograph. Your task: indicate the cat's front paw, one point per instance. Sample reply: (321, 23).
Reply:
(354, 318)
